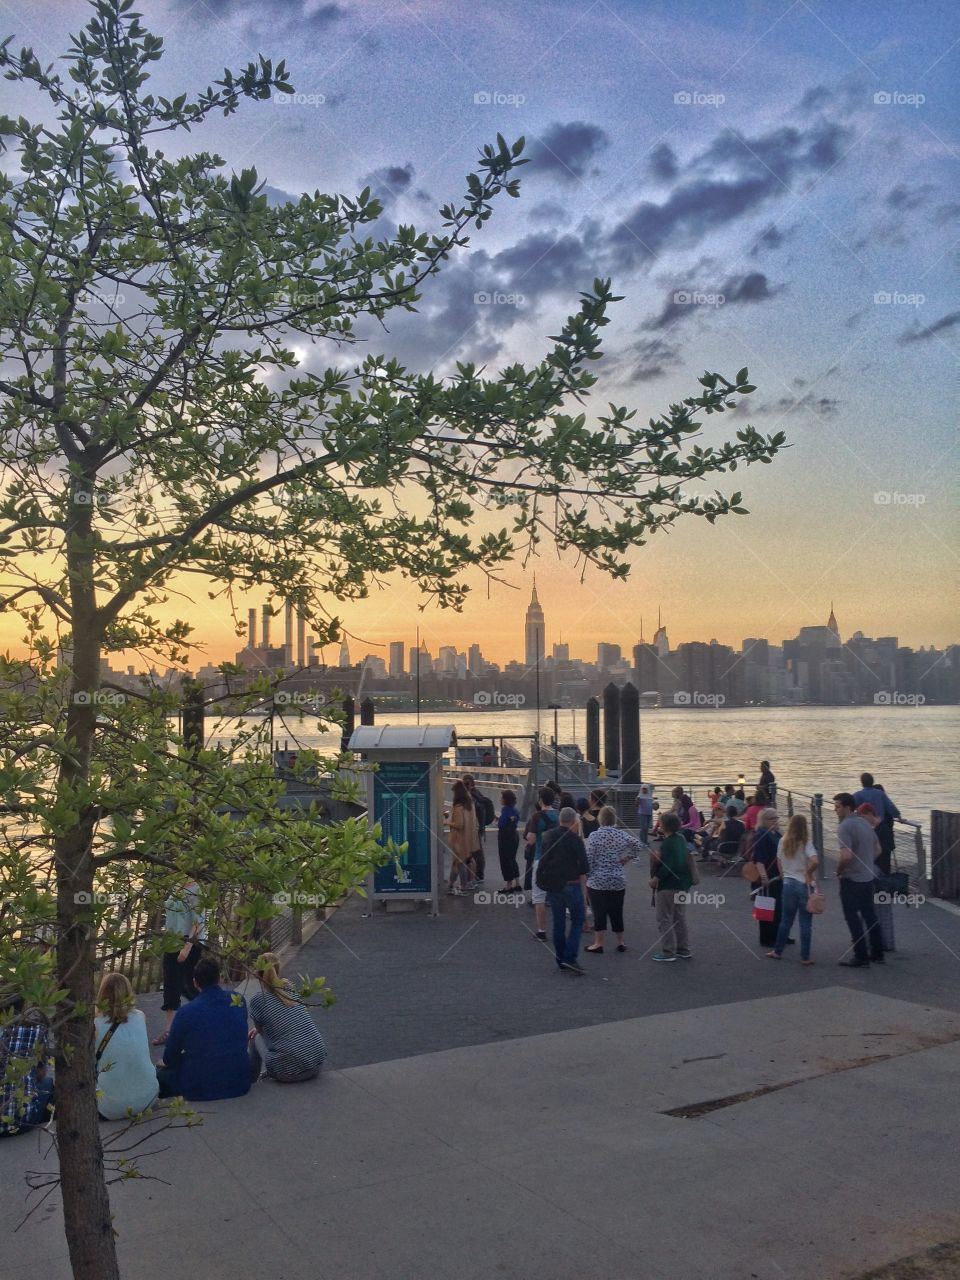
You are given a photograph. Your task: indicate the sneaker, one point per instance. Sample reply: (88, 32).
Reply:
(540, 935)
(458, 893)
(662, 955)
(684, 955)
(572, 967)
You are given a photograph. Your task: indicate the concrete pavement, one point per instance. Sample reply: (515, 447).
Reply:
(730, 1117)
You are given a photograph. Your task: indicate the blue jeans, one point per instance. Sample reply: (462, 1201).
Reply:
(792, 903)
(570, 898)
(643, 821)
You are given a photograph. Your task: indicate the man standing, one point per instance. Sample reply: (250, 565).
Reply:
(857, 873)
(768, 783)
(671, 879)
(887, 813)
(205, 1056)
(483, 807)
(644, 813)
(562, 873)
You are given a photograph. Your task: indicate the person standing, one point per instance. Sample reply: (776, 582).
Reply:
(857, 874)
(463, 838)
(644, 813)
(670, 876)
(543, 821)
(562, 874)
(767, 784)
(483, 809)
(508, 841)
(609, 848)
(183, 918)
(763, 854)
(797, 860)
(126, 1077)
(589, 821)
(887, 813)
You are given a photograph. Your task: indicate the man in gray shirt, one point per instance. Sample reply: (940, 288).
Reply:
(857, 873)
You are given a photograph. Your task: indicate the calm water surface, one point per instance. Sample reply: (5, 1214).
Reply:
(913, 751)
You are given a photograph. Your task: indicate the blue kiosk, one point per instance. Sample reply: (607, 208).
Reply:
(405, 795)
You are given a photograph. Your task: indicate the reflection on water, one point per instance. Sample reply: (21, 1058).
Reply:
(913, 751)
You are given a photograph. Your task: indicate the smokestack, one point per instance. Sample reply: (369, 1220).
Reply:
(301, 640)
(311, 650)
(288, 635)
(252, 628)
(265, 626)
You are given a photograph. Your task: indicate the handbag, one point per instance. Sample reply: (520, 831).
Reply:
(816, 902)
(751, 872)
(764, 908)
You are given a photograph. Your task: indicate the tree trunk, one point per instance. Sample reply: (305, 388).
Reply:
(86, 1201)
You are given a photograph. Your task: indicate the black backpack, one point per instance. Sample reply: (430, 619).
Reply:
(485, 809)
(552, 871)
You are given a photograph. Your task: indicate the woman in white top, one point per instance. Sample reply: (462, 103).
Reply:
(797, 856)
(126, 1076)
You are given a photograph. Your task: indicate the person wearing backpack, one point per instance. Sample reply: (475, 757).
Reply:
(562, 872)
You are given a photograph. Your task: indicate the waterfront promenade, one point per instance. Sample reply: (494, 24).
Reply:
(483, 1116)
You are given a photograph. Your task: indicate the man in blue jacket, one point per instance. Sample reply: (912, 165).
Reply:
(205, 1056)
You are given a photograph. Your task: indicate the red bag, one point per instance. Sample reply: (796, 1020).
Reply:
(764, 908)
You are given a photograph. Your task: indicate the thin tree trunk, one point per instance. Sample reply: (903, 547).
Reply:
(86, 1201)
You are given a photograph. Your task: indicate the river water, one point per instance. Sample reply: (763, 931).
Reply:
(913, 751)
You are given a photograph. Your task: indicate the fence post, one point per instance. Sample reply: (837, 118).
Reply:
(922, 873)
(816, 827)
(789, 804)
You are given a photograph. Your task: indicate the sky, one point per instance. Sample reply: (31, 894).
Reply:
(768, 184)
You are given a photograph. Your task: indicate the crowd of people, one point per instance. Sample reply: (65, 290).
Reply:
(590, 848)
(214, 1046)
(574, 851)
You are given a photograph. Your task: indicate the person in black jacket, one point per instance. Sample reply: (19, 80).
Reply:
(483, 807)
(562, 872)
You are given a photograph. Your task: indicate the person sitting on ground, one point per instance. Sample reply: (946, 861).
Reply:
(26, 1090)
(205, 1057)
(126, 1078)
(285, 1044)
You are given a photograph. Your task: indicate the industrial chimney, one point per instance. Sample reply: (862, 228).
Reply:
(265, 626)
(301, 640)
(288, 635)
(251, 629)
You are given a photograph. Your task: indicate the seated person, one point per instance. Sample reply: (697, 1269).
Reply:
(731, 833)
(706, 838)
(284, 1042)
(26, 1090)
(205, 1056)
(126, 1078)
(730, 798)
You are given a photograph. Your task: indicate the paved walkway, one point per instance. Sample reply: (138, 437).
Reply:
(483, 1115)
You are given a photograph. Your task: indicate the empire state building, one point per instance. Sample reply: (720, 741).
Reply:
(533, 631)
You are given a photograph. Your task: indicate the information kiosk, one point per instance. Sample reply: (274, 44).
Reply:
(405, 795)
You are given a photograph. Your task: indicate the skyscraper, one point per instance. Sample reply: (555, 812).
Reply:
(533, 631)
(396, 658)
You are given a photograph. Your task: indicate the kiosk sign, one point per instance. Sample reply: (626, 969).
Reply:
(401, 805)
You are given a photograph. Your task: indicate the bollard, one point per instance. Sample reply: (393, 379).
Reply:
(629, 734)
(349, 721)
(593, 731)
(611, 728)
(368, 712)
(816, 829)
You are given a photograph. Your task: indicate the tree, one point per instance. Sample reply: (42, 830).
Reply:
(156, 424)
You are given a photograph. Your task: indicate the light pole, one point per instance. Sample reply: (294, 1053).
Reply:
(555, 707)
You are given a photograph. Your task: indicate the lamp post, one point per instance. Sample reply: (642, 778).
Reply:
(555, 707)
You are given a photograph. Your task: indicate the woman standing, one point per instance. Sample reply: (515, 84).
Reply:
(609, 848)
(463, 838)
(284, 1041)
(126, 1076)
(797, 859)
(508, 841)
(590, 820)
(764, 855)
(182, 918)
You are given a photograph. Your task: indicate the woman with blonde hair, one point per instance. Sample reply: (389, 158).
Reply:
(126, 1076)
(464, 838)
(797, 859)
(284, 1042)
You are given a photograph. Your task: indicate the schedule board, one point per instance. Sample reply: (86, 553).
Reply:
(401, 805)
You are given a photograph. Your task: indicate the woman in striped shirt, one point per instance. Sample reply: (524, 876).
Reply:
(284, 1042)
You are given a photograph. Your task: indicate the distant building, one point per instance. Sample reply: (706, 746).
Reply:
(475, 663)
(533, 631)
(396, 658)
(608, 655)
(561, 653)
(344, 661)
(375, 666)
